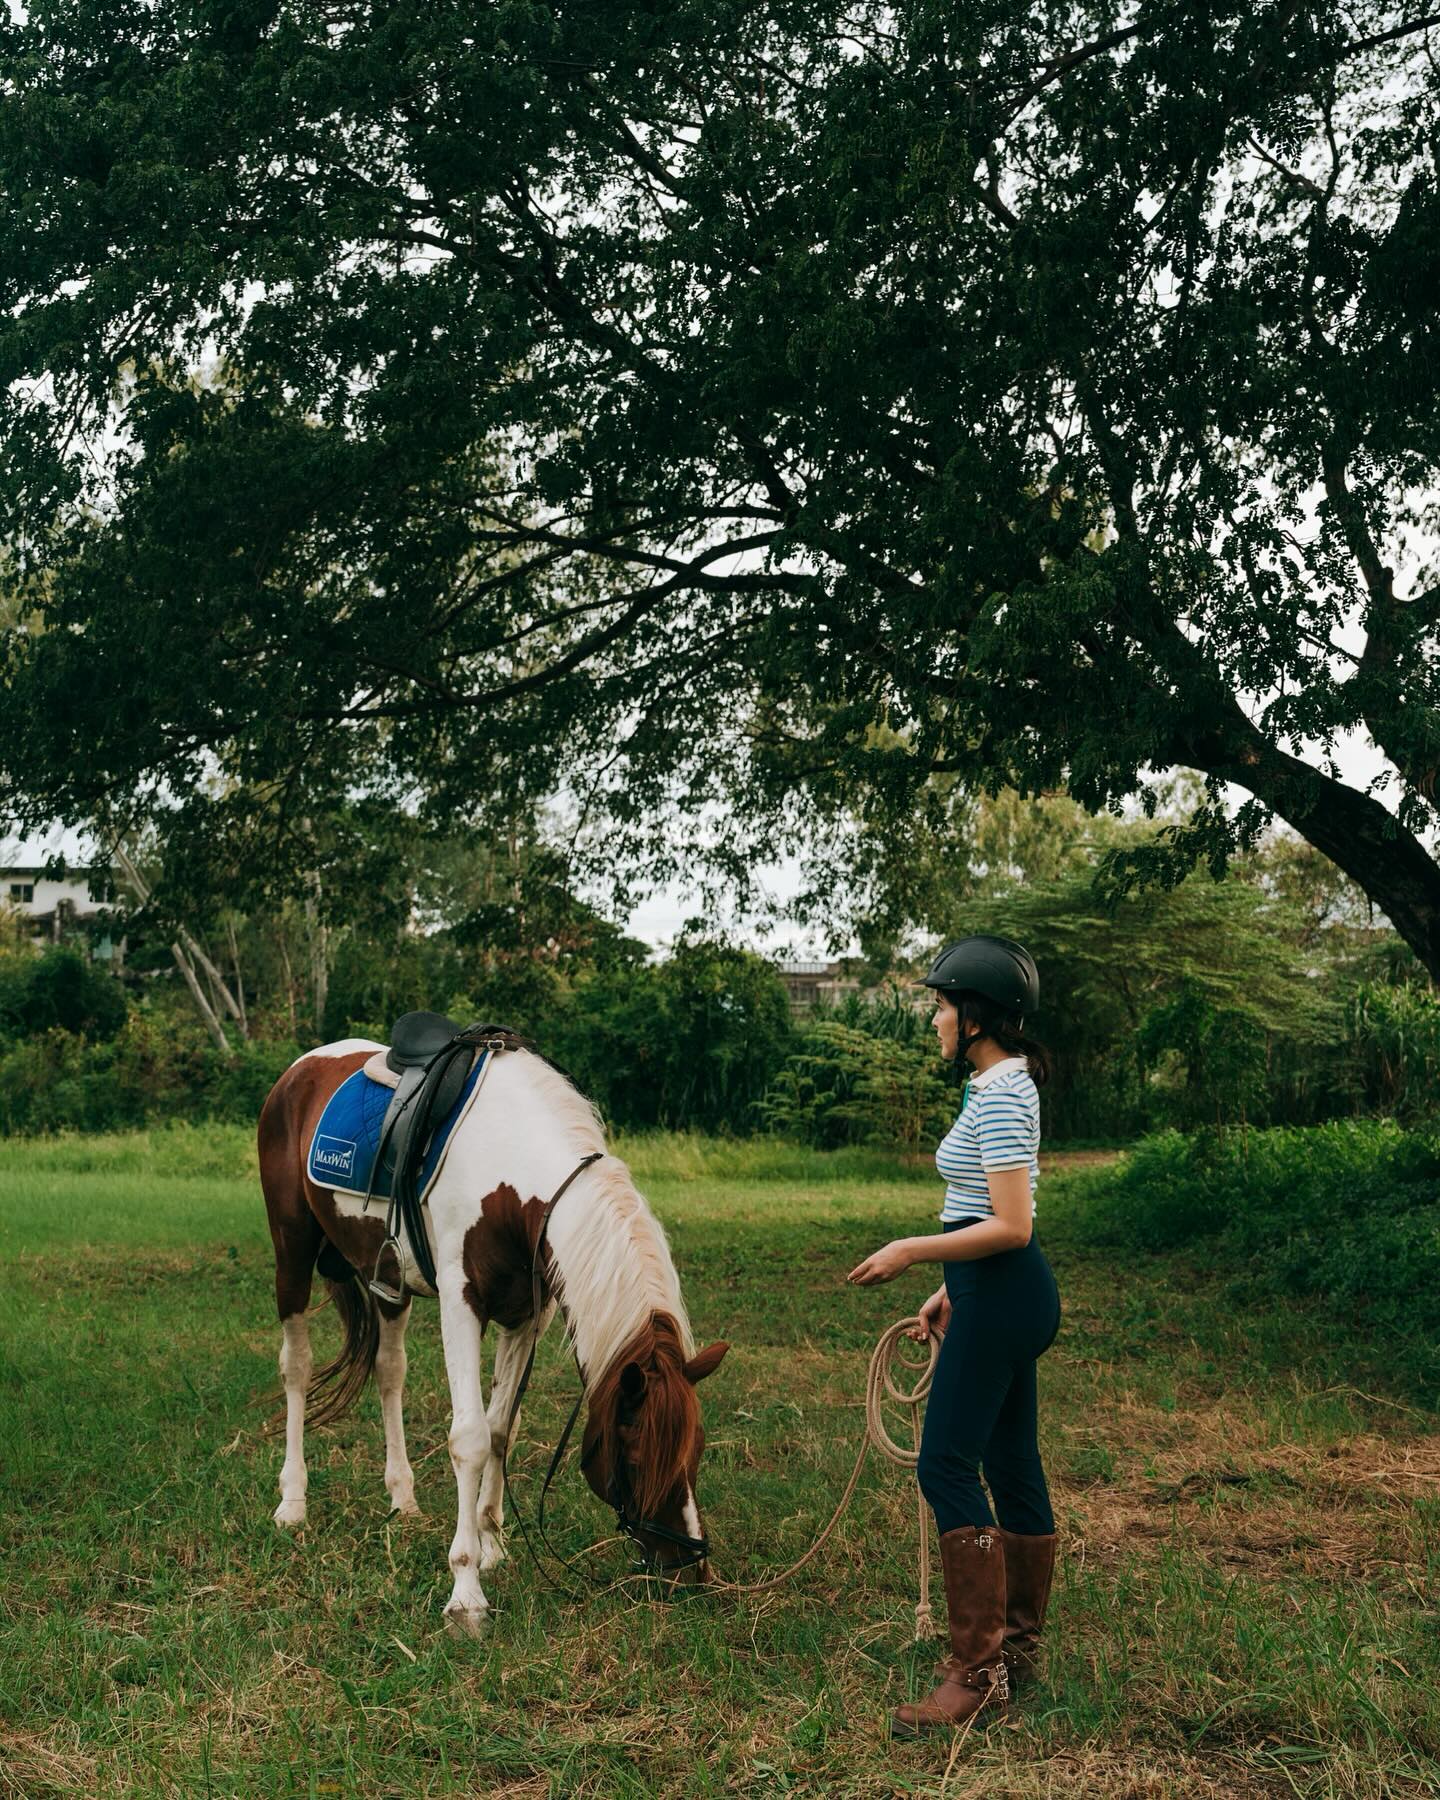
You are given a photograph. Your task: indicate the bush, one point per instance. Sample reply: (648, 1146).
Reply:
(1348, 1211)
(847, 1086)
(150, 1071)
(58, 990)
(691, 1042)
(1395, 1047)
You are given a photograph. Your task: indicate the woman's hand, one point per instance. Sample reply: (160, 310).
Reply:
(934, 1317)
(894, 1259)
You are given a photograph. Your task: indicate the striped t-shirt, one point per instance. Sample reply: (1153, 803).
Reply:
(998, 1127)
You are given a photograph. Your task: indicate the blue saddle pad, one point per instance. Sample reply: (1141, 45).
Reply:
(347, 1139)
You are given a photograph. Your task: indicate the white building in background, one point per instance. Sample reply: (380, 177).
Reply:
(54, 905)
(809, 983)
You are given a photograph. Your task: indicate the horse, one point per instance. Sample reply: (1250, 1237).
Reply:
(604, 1262)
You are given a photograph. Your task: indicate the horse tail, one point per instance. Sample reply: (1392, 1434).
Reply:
(335, 1388)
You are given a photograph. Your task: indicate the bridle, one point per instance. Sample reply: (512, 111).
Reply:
(617, 1492)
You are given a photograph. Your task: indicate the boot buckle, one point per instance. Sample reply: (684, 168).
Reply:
(994, 1678)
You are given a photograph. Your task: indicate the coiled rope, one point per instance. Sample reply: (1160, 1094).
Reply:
(880, 1387)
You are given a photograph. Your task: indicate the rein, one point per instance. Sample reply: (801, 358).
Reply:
(696, 1549)
(880, 1386)
(524, 1382)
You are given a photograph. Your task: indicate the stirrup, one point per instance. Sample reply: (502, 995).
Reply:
(395, 1295)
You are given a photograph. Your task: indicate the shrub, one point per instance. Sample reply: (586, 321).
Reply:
(845, 1086)
(148, 1072)
(58, 990)
(691, 1042)
(1348, 1211)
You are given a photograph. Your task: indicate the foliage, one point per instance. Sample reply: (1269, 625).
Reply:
(1394, 1030)
(1152, 1006)
(892, 1010)
(1221, 1050)
(691, 1041)
(1060, 382)
(58, 990)
(1270, 997)
(1348, 1210)
(147, 1072)
(847, 1086)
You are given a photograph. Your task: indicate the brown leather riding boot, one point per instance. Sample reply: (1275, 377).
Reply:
(1029, 1570)
(973, 1675)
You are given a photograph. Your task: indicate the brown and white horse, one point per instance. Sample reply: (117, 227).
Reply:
(604, 1259)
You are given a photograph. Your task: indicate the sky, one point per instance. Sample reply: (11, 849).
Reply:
(659, 918)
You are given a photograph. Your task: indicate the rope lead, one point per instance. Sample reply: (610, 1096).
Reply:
(879, 1387)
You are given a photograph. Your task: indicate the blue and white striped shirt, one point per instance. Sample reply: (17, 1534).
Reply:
(998, 1127)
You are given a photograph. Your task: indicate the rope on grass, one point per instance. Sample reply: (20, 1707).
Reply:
(880, 1387)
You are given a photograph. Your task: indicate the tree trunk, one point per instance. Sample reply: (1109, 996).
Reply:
(289, 982)
(319, 954)
(207, 1012)
(1353, 829)
(239, 980)
(183, 949)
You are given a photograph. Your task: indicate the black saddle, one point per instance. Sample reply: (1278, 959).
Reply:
(433, 1057)
(416, 1036)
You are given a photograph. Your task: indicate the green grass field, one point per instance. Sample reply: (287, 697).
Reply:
(1249, 1516)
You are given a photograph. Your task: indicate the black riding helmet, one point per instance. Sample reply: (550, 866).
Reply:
(997, 967)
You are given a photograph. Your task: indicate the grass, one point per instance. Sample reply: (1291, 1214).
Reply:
(1250, 1520)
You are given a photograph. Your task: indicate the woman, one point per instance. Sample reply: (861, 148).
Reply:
(996, 1312)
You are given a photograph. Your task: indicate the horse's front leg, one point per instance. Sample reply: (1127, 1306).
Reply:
(469, 1447)
(512, 1350)
(390, 1363)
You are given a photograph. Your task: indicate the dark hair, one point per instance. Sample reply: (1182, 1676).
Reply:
(999, 1023)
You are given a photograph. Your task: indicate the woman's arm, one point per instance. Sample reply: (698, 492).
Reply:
(1008, 1230)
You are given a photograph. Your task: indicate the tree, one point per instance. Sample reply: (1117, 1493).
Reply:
(1212, 973)
(747, 407)
(58, 989)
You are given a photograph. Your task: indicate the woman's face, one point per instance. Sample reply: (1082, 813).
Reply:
(947, 1026)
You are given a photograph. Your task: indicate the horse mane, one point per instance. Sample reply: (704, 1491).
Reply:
(611, 1261)
(654, 1442)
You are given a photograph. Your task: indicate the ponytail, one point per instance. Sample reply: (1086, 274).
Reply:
(1003, 1028)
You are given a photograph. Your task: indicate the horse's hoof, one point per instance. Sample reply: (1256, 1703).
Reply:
(467, 1621)
(290, 1512)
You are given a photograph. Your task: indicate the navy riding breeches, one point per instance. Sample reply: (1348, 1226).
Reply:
(1005, 1312)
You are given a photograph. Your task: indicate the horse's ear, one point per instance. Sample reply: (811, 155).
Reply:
(632, 1384)
(705, 1362)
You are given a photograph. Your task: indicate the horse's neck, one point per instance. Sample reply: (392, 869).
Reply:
(614, 1267)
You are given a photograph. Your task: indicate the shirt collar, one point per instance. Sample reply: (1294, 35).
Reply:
(1003, 1067)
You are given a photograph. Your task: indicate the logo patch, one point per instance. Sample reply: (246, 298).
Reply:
(333, 1156)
